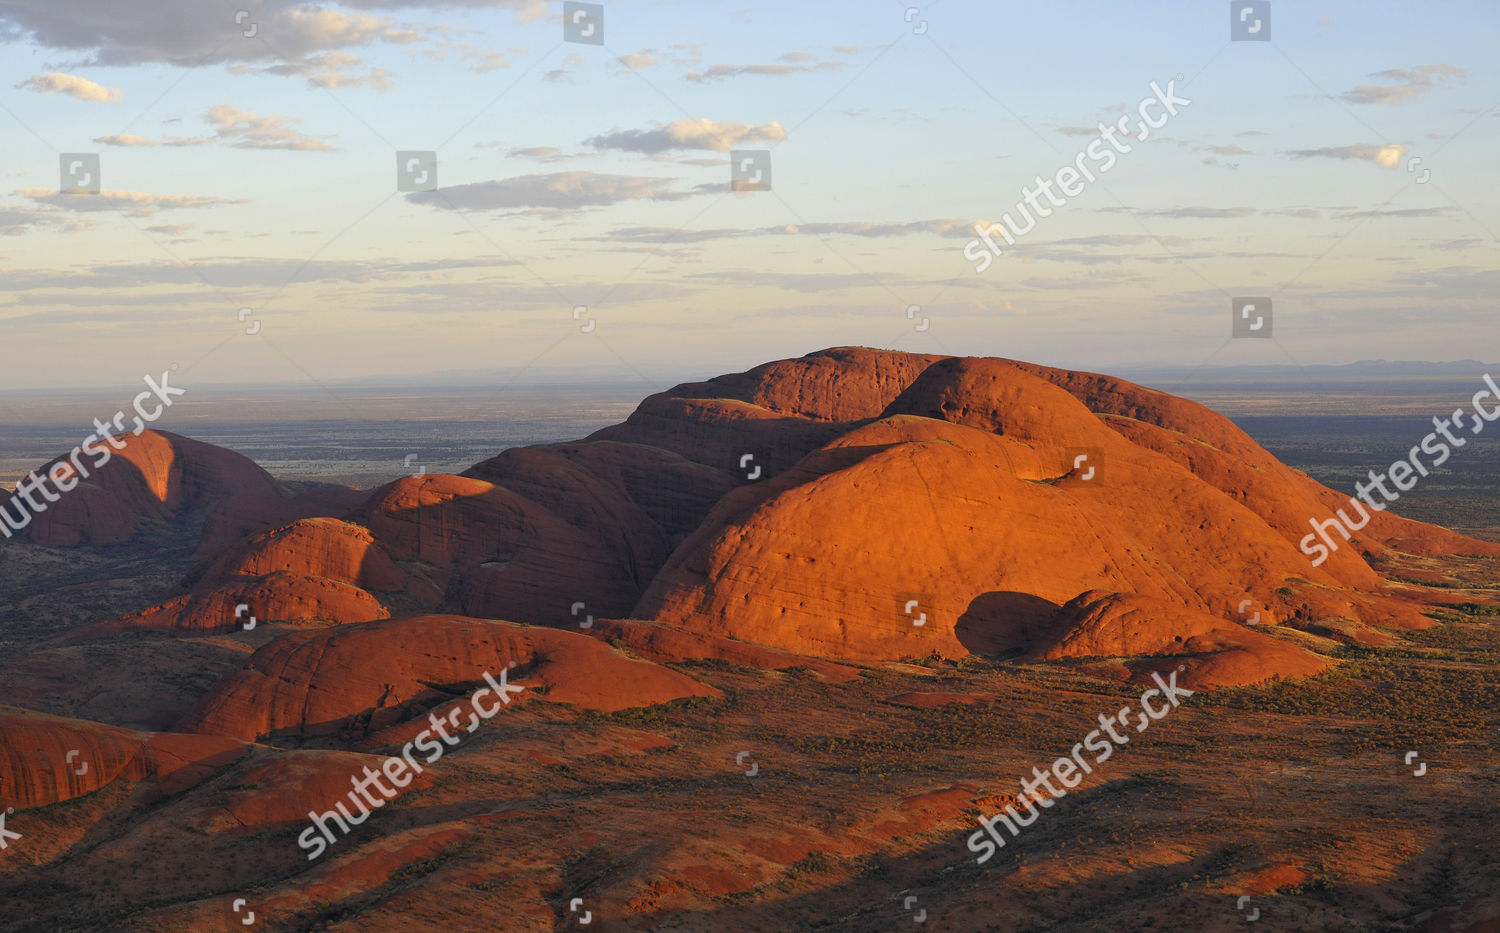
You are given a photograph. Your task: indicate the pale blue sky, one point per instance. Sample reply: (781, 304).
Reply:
(285, 154)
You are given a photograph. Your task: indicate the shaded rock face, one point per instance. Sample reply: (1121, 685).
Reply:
(357, 680)
(156, 479)
(244, 515)
(550, 535)
(490, 551)
(1114, 625)
(855, 505)
(47, 759)
(322, 547)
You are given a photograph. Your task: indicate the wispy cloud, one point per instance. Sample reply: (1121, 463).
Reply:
(688, 134)
(1185, 213)
(558, 75)
(479, 60)
(1407, 84)
(1397, 212)
(1457, 245)
(237, 128)
(237, 273)
(791, 63)
(807, 282)
(1384, 156)
(134, 203)
(328, 70)
(948, 227)
(557, 191)
(545, 154)
(16, 221)
(82, 88)
(130, 140)
(245, 130)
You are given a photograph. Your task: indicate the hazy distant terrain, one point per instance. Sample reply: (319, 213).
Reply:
(1334, 423)
(361, 437)
(1338, 428)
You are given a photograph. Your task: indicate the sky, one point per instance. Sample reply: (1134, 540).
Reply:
(249, 226)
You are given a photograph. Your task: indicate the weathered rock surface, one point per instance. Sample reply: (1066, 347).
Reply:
(281, 596)
(46, 759)
(358, 679)
(154, 479)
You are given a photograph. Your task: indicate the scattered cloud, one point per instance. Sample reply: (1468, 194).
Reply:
(789, 64)
(133, 203)
(807, 282)
(688, 134)
(238, 128)
(328, 70)
(224, 272)
(16, 221)
(684, 54)
(545, 154)
(82, 88)
(479, 60)
(949, 227)
(1383, 156)
(311, 41)
(557, 191)
(377, 79)
(1407, 84)
(177, 32)
(1095, 250)
(130, 140)
(1185, 213)
(563, 74)
(1397, 212)
(1458, 245)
